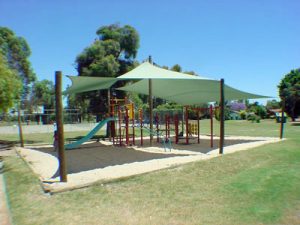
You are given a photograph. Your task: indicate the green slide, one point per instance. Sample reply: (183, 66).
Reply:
(89, 135)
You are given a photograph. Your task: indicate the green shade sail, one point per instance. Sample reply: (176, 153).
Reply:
(189, 92)
(148, 71)
(83, 84)
(173, 86)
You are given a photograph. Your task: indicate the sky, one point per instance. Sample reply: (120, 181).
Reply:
(252, 44)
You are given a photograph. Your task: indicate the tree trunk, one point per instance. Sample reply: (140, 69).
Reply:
(293, 111)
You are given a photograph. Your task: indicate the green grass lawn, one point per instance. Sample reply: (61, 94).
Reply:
(267, 128)
(42, 138)
(259, 186)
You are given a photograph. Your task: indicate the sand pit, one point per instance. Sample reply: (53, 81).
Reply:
(102, 162)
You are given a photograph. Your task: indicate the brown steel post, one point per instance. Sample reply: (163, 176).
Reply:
(150, 106)
(113, 123)
(120, 126)
(222, 116)
(109, 124)
(176, 128)
(157, 127)
(186, 125)
(20, 127)
(126, 126)
(183, 118)
(141, 126)
(169, 121)
(282, 119)
(60, 126)
(151, 111)
(133, 125)
(198, 125)
(211, 127)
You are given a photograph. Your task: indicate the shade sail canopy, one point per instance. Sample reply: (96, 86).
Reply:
(188, 92)
(83, 84)
(148, 71)
(173, 86)
(144, 71)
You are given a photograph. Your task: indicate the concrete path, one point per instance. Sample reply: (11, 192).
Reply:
(31, 129)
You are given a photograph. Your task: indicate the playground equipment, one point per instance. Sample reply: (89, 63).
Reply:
(119, 129)
(123, 129)
(89, 135)
(122, 125)
(192, 129)
(123, 122)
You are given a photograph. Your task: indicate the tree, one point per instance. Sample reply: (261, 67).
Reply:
(111, 55)
(257, 109)
(10, 86)
(43, 94)
(273, 104)
(176, 68)
(190, 73)
(289, 92)
(217, 112)
(16, 52)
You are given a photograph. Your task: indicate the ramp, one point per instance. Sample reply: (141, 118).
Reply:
(89, 135)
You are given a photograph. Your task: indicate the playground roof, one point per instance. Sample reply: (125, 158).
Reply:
(83, 84)
(189, 92)
(178, 87)
(149, 71)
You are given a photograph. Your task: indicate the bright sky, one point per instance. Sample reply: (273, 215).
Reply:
(252, 44)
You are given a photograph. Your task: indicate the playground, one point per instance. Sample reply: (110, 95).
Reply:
(139, 141)
(206, 186)
(152, 143)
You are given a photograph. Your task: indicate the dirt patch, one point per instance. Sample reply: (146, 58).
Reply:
(96, 162)
(97, 156)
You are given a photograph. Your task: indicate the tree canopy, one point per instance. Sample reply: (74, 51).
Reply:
(43, 94)
(289, 91)
(110, 55)
(16, 52)
(10, 86)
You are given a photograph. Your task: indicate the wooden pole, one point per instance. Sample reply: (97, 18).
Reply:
(186, 125)
(169, 121)
(282, 119)
(60, 127)
(150, 111)
(109, 124)
(222, 117)
(141, 125)
(198, 126)
(150, 106)
(176, 128)
(113, 123)
(133, 125)
(183, 118)
(211, 127)
(120, 125)
(157, 127)
(126, 126)
(20, 126)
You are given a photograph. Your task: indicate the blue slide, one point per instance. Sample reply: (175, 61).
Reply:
(89, 135)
